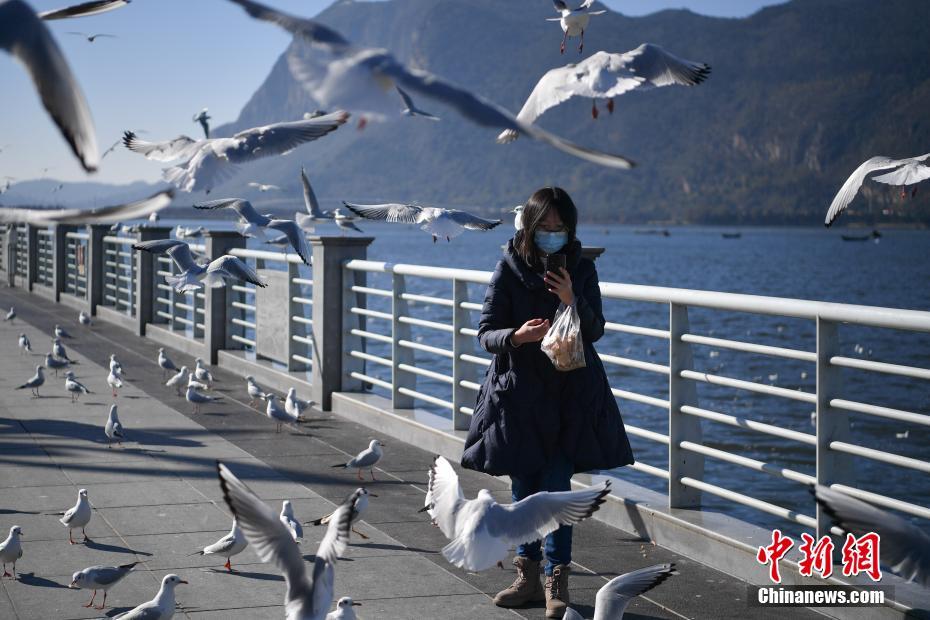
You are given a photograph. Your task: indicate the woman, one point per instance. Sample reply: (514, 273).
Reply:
(532, 422)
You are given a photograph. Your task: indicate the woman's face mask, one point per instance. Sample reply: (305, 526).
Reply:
(550, 242)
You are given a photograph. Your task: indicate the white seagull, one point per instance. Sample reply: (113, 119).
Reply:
(24, 344)
(411, 109)
(904, 548)
(903, 172)
(305, 599)
(363, 78)
(288, 519)
(263, 187)
(103, 215)
(197, 399)
(366, 459)
(159, 608)
(23, 35)
(10, 315)
(358, 499)
(294, 406)
(75, 387)
(278, 413)
(612, 599)
(113, 429)
(482, 531)
(343, 609)
(605, 76)
(85, 9)
(438, 222)
(54, 363)
(35, 382)
(201, 373)
(58, 350)
(232, 544)
(77, 516)
(255, 392)
(84, 319)
(188, 232)
(100, 578)
(211, 161)
(164, 362)
(518, 217)
(93, 37)
(61, 333)
(178, 380)
(194, 276)
(573, 21)
(204, 119)
(252, 222)
(115, 381)
(314, 213)
(115, 366)
(345, 222)
(11, 550)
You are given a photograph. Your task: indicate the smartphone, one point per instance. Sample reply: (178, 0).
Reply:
(554, 262)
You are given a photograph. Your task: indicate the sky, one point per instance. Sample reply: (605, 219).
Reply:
(171, 59)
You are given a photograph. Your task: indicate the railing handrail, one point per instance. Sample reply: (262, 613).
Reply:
(280, 257)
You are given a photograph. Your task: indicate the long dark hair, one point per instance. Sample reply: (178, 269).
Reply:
(534, 212)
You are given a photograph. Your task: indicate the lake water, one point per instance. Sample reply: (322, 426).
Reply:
(799, 263)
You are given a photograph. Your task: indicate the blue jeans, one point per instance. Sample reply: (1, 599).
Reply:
(555, 475)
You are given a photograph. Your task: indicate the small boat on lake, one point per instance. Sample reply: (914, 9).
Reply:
(731, 235)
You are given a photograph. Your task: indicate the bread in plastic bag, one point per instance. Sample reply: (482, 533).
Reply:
(562, 344)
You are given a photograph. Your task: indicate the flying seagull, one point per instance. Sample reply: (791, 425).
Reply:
(411, 109)
(305, 599)
(204, 119)
(95, 7)
(23, 35)
(904, 547)
(211, 161)
(314, 213)
(482, 531)
(436, 221)
(250, 216)
(102, 215)
(573, 21)
(345, 222)
(611, 600)
(363, 77)
(193, 276)
(263, 187)
(903, 172)
(93, 37)
(605, 76)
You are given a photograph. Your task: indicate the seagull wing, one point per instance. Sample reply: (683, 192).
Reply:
(182, 147)
(234, 267)
(84, 9)
(405, 97)
(103, 215)
(904, 547)
(446, 494)
(656, 67)
(471, 222)
(270, 538)
(295, 236)
(541, 513)
(310, 201)
(23, 35)
(612, 599)
(854, 182)
(177, 250)
(383, 66)
(389, 212)
(222, 545)
(243, 209)
(908, 174)
(332, 546)
(280, 138)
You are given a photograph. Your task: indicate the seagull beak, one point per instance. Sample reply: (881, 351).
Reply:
(372, 495)
(354, 604)
(74, 585)
(182, 581)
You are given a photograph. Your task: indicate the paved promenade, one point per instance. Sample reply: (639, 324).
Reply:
(157, 500)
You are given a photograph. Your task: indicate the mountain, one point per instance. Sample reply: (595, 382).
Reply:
(801, 93)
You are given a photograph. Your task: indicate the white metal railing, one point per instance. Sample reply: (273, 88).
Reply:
(243, 304)
(119, 274)
(76, 253)
(428, 359)
(22, 251)
(45, 257)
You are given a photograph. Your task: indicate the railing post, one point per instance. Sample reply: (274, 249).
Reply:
(32, 256)
(462, 344)
(681, 427)
(293, 327)
(832, 424)
(400, 355)
(9, 254)
(145, 277)
(327, 330)
(350, 321)
(95, 266)
(60, 258)
(216, 300)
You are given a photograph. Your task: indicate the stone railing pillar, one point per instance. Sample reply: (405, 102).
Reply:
(216, 300)
(95, 267)
(60, 258)
(32, 256)
(9, 255)
(145, 277)
(329, 255)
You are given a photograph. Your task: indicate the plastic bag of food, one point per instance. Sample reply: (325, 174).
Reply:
(562, 343)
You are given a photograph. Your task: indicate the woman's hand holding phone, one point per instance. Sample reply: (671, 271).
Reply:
(560, 284)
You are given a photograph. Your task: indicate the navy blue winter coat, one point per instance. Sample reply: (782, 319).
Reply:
(527, 411)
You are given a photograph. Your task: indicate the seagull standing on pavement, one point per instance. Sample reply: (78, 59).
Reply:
(612, 599)
(366, 459)
(202, 374)
(78, 516)
(255, 392)
(115, 381)
(232, 544)
(115, 366)
(53, 363)
(573, 21)
(10, 315)
(164, 362)
(24, 344)
(84, 319)
(294, 406)
(482, 531)
(344, 610)
(159, 608)
(61, 333)
(35, 382)
(292, 524)
(277, 412)
(11, 550)
(75, 387)
(113, 428)
(100, 578)
(178, 380)
(358, 499)
(305, 599)
(59, 351)
(436, 221)
(197, 399)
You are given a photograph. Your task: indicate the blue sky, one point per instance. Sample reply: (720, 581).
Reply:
(172, 58)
